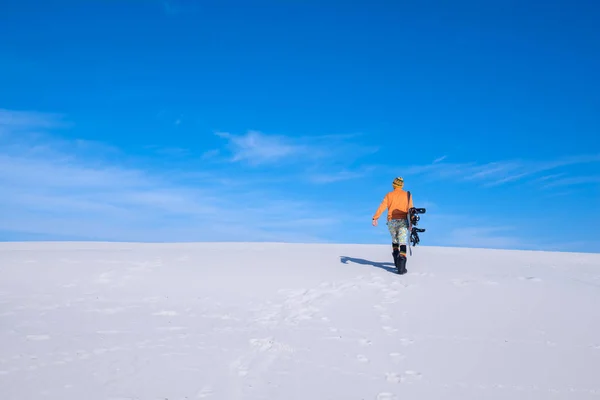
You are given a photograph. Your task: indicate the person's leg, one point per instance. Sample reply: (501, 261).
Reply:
(394, 226)
(403, 233)
(403, 239)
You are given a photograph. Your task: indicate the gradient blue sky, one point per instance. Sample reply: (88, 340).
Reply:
(287, 120)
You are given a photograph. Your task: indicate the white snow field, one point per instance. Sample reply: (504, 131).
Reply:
(120, 321)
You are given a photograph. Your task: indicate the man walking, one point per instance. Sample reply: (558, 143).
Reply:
(397, 202)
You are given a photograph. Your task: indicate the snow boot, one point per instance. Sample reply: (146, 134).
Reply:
(399, 254)
(401, 264)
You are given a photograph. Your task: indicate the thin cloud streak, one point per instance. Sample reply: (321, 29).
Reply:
(65, 188)
(578, 180)
(503, 172)
(170, 7)
(340, 176)
(259, 149)
(17, 120)
(549, 177)
(484, 237)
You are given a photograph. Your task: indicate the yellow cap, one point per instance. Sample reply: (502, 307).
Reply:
(398, 182)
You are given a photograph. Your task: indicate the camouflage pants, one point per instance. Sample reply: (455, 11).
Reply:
(399, 230)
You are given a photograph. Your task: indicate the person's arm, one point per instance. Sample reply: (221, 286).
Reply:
(380, 209)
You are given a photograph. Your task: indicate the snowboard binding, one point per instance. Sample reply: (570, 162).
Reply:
(414, 214)
(414, 220)
(414, 235)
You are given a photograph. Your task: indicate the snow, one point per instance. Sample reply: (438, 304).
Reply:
(122, 321)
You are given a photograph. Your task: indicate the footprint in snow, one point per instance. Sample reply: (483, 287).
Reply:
(530, 278)
(386, 396)
(413, 374)
(104, 278)
(385, 317)
(397, 356)
(166, 313)
(409, 375)
(205, 392)
(461, 282)
(171, 328)
(108, 311)
(389, 329)
(393, 377)
(38, 337)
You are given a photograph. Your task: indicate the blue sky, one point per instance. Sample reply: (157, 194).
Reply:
(288, 121)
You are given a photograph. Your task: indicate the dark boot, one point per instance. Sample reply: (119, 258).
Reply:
(401, 264)
(403, 259)
(399, 253)
(396, 253)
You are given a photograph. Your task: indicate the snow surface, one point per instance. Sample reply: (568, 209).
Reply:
(288, 321)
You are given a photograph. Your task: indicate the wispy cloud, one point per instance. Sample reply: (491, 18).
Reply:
(257, 148)
(171, 7)
(339, 176)
(550, 177)
(578, 180)
(80, 189)
(495, 237)
(18, 120)
(326, 159)
(498, 173)
(169, 151)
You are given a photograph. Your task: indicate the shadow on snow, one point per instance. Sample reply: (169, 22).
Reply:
(388, 266)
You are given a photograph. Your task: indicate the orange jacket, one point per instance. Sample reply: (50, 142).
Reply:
(396, 203)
